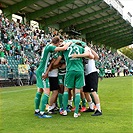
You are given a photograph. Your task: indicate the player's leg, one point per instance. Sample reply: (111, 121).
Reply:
(83, 99)
(45, 99)
(79, 83)
(70, 100)
(94, 89)
(38, 93)
(37, 100)
(86, 90)
(77, 102)
(52, 102)
(61, 91)
(97, 101)
(65, 101)
(90, 103)
(54, 88)
(69, 83)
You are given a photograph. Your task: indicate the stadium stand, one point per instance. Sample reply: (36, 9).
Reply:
(98, 21)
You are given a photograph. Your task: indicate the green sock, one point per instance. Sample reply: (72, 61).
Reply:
(83, 102)
(60, 100)
(37, 100)
(92, 98)
(44, 102)
(77, 101)
(65, 100)
(74, 100)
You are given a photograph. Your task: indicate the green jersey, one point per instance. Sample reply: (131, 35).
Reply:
(46, 57)
(2, 54)
(73, 64)
(8, 47)
(101, 72)
(113, 70)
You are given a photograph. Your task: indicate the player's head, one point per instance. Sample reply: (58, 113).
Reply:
(55, 41)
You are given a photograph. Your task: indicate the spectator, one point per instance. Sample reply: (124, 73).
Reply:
(2, 54)
(17, 54)
(32, 75)
(8, 48)
(113, 72)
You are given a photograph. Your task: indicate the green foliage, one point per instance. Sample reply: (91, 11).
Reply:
(17, 111)
(127, 51)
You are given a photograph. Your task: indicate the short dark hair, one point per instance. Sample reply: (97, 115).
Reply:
(55, 39)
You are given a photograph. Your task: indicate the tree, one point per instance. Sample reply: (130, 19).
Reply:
(128, 51)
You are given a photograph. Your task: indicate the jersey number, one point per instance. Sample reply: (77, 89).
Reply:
(73, 50)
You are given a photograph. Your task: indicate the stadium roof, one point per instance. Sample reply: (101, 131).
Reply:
(99, 21)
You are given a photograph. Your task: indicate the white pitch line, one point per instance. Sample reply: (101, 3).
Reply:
(17, 90)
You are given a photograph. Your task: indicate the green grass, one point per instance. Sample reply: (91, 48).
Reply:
(17, 111)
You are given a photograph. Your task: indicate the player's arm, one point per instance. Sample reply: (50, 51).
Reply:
(45, 75)
(87, 54)
(96, 57)
(65, 46)
(57, 63)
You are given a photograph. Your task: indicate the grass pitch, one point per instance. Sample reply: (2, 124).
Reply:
(17, 111)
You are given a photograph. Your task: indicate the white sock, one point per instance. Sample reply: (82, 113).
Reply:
(54, 105)
(70, 102)
(98, 107)
(36, 110)
(42, 112)
(91, 105)
(49, 108)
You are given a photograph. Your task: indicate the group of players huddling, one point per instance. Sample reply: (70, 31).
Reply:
(67, 65)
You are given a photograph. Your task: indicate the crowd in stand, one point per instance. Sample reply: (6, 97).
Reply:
(110, 62)
(25, 43)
